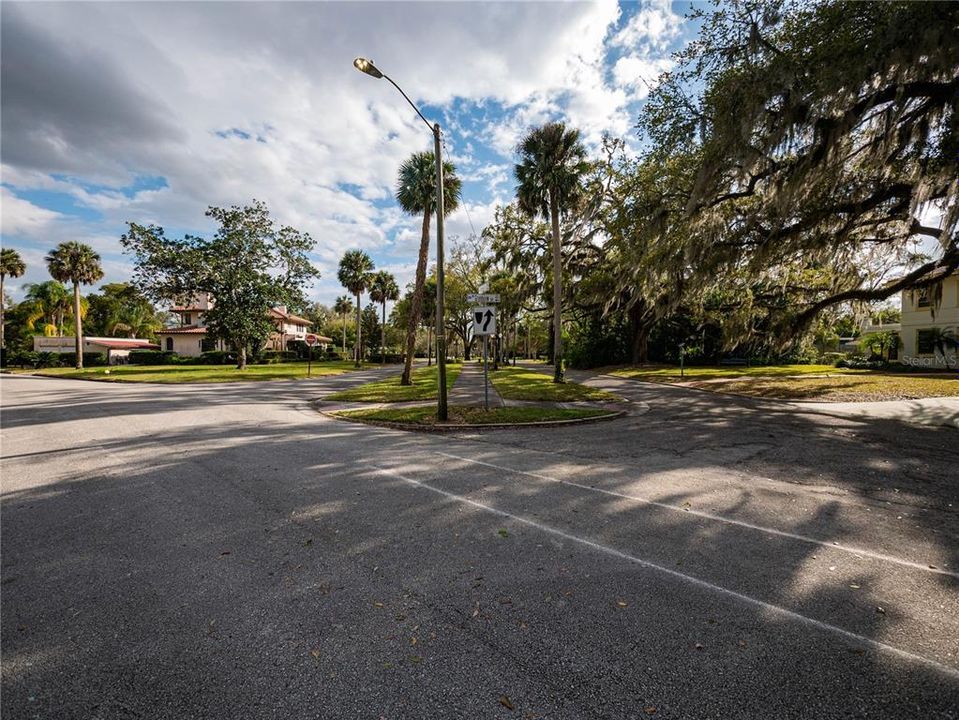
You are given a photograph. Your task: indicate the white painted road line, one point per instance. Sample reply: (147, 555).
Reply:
(950, 672)
(718, 518)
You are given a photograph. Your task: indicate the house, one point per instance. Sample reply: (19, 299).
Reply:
(924, 323)
(116, 349)
(189, 336)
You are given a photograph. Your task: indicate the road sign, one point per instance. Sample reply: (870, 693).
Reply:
(483, 298)
(312, 340)
(484, 321)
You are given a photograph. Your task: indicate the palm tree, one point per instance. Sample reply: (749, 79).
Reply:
(550, 173)
(79, 264)
(343, 307)
(354, 274)
(48, 301)
(416, 193)
(10, 264)
(383, 289)
(942, 340)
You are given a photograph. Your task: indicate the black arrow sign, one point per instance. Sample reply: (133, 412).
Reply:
(489, 318)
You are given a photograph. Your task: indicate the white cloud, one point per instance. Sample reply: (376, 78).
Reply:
(21, 217)
(141, 90)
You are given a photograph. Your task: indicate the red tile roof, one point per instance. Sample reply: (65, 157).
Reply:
(289, 316)
(124, 344)
(183, 330)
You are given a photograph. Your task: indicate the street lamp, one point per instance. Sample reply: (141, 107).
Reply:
(442, 411)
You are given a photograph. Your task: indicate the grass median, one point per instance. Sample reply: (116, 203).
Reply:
(425, 387)
(471, 415)
(196, 373)
(516, 383)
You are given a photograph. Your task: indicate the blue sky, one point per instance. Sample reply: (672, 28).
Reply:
(149, 112)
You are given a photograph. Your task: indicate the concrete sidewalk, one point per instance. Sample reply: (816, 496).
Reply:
(924, 411)
(468, 389)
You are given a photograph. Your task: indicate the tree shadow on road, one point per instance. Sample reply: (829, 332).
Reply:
(245, 570)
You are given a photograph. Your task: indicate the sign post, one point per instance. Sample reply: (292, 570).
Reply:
(311, 340)
(484, 324)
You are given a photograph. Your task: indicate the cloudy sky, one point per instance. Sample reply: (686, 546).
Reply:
(150, 112)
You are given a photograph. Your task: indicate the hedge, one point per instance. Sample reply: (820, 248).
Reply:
(217, 357)
(90, 359)
(153, 357)
(271, 357)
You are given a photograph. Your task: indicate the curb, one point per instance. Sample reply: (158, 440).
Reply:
(472, 426)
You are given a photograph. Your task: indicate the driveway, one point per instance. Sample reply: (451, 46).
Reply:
(224, 551)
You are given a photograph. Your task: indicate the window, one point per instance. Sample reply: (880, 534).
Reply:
(169, 344)
(925, 342)
(186, 319)
(923, 299)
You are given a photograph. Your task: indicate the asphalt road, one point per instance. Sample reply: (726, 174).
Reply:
(224, 551)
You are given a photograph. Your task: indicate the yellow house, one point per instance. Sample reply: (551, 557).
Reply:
(923, 323)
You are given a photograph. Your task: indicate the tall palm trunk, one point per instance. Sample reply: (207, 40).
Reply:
(3, 327)
(78, 325)
(383, 337)
(557, 292)
(359, 335)
(416, 306)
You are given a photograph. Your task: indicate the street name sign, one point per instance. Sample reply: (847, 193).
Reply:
(482, 298)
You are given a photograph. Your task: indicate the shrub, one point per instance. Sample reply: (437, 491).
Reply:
(272, 357)
(833, 358)
(154, 357)
(858, 362)
(217, 357)
(47, 360)
(24, 358)
(391, 357)
(332, 354)
(90, 359)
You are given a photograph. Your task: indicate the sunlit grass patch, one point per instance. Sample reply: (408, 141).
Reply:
(197, 373)
(425, 387)
(516, 383)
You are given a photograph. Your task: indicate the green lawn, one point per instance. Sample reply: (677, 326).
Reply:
(471, 415)
(198, 373)
(794, 382)
(516, 383)
(672, 374)
(842, 388)
(424, 387)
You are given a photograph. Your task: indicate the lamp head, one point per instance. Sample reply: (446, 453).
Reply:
(367, 66)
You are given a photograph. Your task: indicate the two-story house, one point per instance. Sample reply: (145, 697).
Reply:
(189, 336)
(924, 323)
